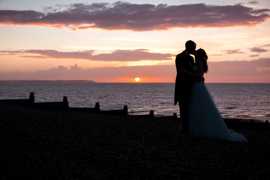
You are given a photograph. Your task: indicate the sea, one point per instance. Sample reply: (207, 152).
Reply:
(233, 100)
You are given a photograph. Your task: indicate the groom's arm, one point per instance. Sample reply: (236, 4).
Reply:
(182, 66)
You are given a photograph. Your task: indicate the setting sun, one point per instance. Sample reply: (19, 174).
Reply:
(137, 79)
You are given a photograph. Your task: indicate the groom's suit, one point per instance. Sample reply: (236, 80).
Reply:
(183, 85)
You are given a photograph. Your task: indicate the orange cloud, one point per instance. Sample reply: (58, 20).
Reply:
(260, 69)
(215, 54)
(137, 17)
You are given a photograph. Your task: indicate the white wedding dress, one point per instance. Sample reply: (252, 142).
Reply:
(205, 119)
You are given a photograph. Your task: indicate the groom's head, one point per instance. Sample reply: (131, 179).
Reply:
(190, 47)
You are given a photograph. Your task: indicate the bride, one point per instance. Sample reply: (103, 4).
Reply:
(204, 118)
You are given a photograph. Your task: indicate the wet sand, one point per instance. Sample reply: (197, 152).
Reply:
(39, 144)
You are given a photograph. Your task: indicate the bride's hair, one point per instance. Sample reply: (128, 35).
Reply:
(203, 57)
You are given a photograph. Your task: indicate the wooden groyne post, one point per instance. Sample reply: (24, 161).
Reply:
(97, 107)
(65, 100)
(125, 110)
(32, 97)
(151, 114)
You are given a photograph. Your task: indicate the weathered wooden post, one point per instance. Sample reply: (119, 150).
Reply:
(65, 100)
(32, 97)
(175, 115)
(151, 113)
(97, 107)
(125, 110)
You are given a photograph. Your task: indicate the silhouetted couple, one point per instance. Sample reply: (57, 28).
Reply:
(199, 114)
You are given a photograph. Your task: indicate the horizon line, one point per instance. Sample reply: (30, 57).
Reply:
(92, 81)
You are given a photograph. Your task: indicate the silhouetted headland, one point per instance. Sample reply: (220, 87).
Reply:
(47, 81)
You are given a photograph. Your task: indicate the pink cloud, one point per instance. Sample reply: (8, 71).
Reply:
(117, 55)
(137, 17)
(235, 51)
(254, 55)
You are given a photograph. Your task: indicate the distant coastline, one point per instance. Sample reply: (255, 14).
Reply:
(90, 81)
(47, 81)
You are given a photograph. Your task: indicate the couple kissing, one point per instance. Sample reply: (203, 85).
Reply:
(199, 114)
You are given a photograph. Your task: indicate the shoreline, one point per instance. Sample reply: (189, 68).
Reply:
(68, 145)
(247, 105)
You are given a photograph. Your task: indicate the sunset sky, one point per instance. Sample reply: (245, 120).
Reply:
(118, 41)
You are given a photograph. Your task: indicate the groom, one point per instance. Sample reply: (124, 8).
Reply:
(183, 84)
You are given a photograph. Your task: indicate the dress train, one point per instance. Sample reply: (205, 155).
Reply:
(205, 119)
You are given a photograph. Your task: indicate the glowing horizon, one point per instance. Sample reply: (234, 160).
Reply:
(119, 41)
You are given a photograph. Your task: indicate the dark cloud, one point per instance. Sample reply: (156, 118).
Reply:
(137, 17)
(235, 51)
(253, 2)
(118, 55)
(260, 49)
(216, 69)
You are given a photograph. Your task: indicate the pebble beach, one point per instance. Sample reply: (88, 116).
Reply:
(39, 144)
